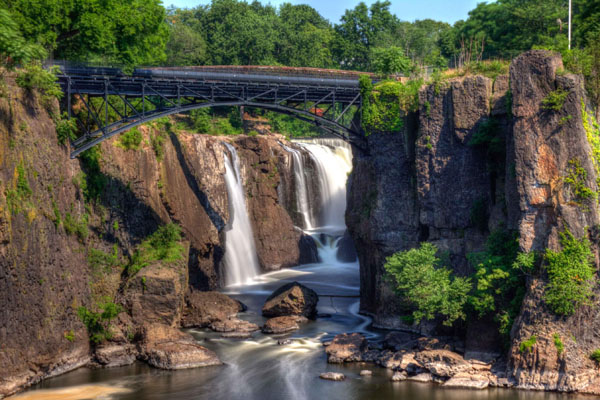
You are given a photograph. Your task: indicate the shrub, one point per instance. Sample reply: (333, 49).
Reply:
(76, 226)
(555, 100)
(428, 287)
(157, 141)
(560, 347)
(595, 355)
(14, 49)
(571, 275)
(500, 278)
(576, 178)
(162, 245)
(103, 262)
(66, 129)
(70, 336)
(95, 180)
(386, 103)
(527, 345)
(34, 77)
(201, 120)
(131, 139)
(98, 323)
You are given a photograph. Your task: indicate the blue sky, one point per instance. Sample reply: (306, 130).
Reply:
(407, 10)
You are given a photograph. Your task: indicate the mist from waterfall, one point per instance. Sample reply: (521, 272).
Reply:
(333, 160)
(241, 261)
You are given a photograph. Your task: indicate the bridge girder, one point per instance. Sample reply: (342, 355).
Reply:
(159, 97)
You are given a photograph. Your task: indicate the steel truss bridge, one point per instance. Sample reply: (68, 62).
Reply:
(93, 94)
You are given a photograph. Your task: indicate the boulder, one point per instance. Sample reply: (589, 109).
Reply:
(366, 372)
(399, 376)
(291, 299)
(308, 250)
(399, 340)
(234, 325)
(346, 348)
(467, 380)
(168, 348)
(115, 355)
(283, 324)
(204, 308)
(332, 376)
(400, 360)
(442, 363)
(422, 377)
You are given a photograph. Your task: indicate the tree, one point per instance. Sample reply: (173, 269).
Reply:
(304, 37)
(14, 49)
(130, 32)
(185, 46)
(428, 287)
(390, 60)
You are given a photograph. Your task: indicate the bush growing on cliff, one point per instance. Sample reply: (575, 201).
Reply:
(66, 129)
(163, 245)
(131, 139)
(576, 179)
(555, 100)
(571, 275)
(527, 345)
(595, 355)
(499, 277)
(386, 103)
(98, 323)
(35, 77)
(428, 287)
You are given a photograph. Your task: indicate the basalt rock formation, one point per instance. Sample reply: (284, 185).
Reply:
(63, 246)
(431, 182)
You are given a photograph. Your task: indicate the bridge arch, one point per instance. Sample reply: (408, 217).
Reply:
(171, 92)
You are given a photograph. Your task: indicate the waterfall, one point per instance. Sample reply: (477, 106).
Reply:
(241, 262)
(302, 201)
(333, 159)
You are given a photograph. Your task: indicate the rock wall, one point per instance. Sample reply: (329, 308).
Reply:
(48, 229)
(545, 141)
(430, 182)
(425, 183)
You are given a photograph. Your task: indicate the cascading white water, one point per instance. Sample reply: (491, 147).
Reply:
(241, 262)
(302, 201)
(333, 158)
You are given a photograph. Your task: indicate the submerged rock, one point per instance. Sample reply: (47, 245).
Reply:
(283, 324)
(399, 376)
(366, 372)
(234, 325)
(291, 299)
(204, 308)
(332, 376)
(346, 348)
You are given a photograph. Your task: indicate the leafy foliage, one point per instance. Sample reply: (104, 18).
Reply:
(66, 129)
(163, 245)
(527, 345)
(98, 323)
(571, 275)
(558, 343)
(576, 178)
(386, 103)
(33, 76)
(390, 60)
(428, 287)
(555, 100)
(595, 355)
(14, 49)
(499, 278)
(131, 139)
(102, 262)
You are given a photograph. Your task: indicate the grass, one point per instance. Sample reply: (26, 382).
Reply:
(560, 347)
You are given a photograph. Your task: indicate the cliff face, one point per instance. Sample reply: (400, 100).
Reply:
(49, 233)
(432, 182)
(426, 183)
(545, 143)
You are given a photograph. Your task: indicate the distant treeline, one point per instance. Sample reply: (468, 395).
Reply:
(144, 32)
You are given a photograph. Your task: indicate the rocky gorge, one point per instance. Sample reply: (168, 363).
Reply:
(66, 246)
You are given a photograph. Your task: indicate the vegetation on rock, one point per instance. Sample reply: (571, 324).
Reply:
(527, 345)
(555, 100)
(571, 275)
(98, 322)
(163, 245)
(430, 288)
